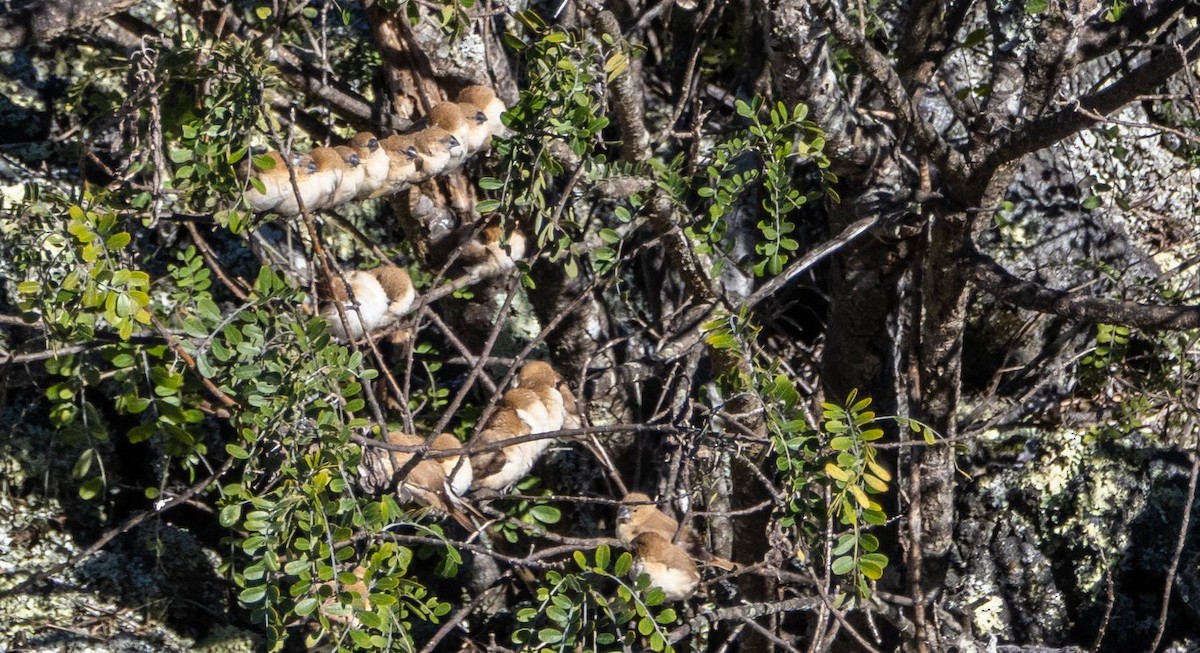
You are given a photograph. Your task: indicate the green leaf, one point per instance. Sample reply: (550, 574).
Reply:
(90, 488)
(1035, 7)
(230, 515)
(842, 566)
(603, 556)
(306, 606)
(252, 595)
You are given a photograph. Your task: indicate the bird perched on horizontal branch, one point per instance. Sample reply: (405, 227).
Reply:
(435, 482)
(437, 149)
(375, 163)
(371, 299)
(353, 173)
(491, 252)
(484, 99)
(535, 405)
(403, 164)
(668, 566)
(639, 515)
(277, 194)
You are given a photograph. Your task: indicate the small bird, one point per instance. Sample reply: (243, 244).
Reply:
(434, 482)
(491, 254)
(374, 160)
(538, 404)
(553, 392)
(403, 161)
(353, 174)
(434, 145)
(484, 99)
(667, 565)
(318, 190)
(277, 183)
(499, 469)
(380, 296)
(634, 520)
(478, 132)
(448, 116)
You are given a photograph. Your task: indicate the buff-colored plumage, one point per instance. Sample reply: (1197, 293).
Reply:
(639, 516)
(435, 147)
(479, 132)
(433, 481)
(375, 163)
(319, 189)
(491, 253)
(484, 99)
(449, 116)
(353, 173)
(278, 195)
(380, 297)
(667, 565)
(403, 163)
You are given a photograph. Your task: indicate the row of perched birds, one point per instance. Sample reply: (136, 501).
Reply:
(540, 402)
(371, 167)
(375, 299)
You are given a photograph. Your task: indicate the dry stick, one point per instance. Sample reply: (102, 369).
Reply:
(769, 635)
(1110, 591)
(496, 446)
(478, 366)
(748, 611)
(457, 343)
(123, 527)
(213, 263)
(452, 408)
(458, 617)
(1179, 542)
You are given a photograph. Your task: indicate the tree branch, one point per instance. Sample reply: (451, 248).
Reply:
(880, 70)
(1004, 285)
(1080, 114)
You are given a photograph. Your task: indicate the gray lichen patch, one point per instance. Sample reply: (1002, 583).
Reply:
(123, 598)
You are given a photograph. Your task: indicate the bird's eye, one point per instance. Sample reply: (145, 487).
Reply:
(453, 142)
(373, 144)
(354, 160)
(480, 117)
(411, 152)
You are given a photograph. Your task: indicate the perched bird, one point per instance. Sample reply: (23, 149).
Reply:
(640, 516)
(277, 183)
(403, 160)
(448, 116)
(380, 296)
(375, 163)
(490, 254)
(536, 405)
(433, 482)
(552, 390)
(499, 469)
(667, 565)
(435, 146)
(318, 190)
(353, 174)
(478, 131)
(484, 99)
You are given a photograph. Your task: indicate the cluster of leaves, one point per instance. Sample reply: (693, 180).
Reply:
(759, 156)
(559, 105)
(529, 514)
(579, 610)
(856, 475)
